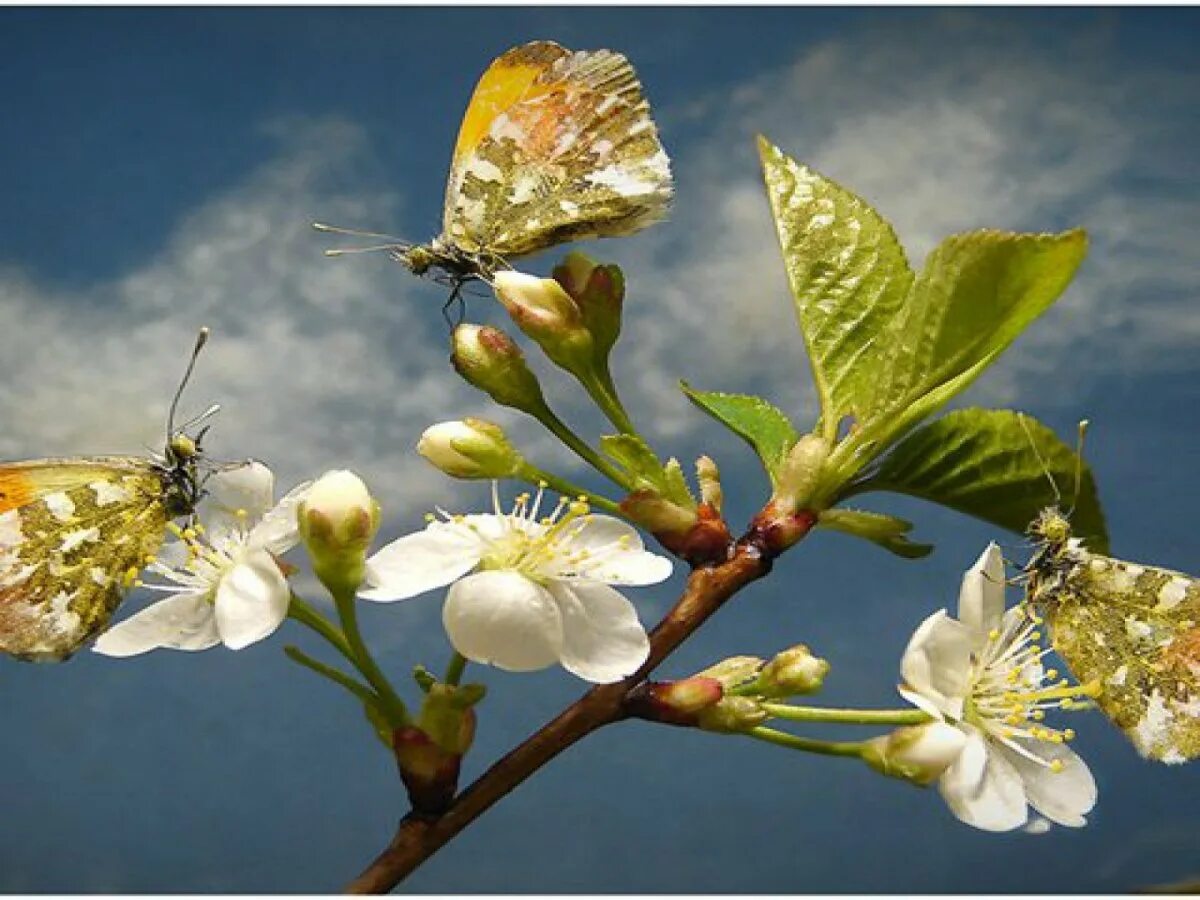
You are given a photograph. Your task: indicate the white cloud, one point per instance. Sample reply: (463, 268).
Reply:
(952, 124)
(322, 363)
(317, 362)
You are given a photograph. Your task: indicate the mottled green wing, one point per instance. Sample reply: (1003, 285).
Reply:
(555, 146)
(74, 533)
(1135, 631)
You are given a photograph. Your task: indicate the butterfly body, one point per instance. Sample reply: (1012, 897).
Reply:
(1131, 630)
(555, 146)
(74, 534)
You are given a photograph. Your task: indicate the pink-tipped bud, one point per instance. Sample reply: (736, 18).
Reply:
(599, 292)
(490, 360)
(337, 520)
(549, 317)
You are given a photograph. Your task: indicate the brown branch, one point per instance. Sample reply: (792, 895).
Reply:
(418, 838)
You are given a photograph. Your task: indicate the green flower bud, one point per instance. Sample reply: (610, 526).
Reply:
(470, 448)
(599, 292)
(916, 753)
(733, 715)
(793, 671)
(488, 359)
(337, 520)
(548, 316)
(734, 671)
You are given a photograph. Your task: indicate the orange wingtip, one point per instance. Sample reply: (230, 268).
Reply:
(508, 80)
(16, 490)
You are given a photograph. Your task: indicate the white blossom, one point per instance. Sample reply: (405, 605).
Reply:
(527, 592)
(224, 583)
(982, 673)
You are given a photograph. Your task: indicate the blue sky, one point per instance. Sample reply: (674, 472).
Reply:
(160, 169)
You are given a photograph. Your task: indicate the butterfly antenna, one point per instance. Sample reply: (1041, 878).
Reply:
(1083, 427)
(393, 243)
(1041, 459)
(196, 420)
(201, 340)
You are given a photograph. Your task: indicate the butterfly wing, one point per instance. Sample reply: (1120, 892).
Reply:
(73, 534)
(555, 146)
(1136, 631)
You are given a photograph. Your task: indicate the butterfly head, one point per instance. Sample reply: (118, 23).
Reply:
(181, 458)
(1051, 527)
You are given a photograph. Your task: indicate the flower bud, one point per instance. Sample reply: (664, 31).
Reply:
(793, 671)
(734, 671)
(732, 715)
(470, 448)
(337, 520)
(548, 316)
(488, 359)
(916, 753)
(599, 292)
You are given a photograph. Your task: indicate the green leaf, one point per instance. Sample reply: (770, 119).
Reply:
(635, 456)
(998, 465)
(753, 419)
(888, 532)
(976, 293)
(849, 277)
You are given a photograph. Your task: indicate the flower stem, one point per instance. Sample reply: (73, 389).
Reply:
(847, 716)
(600, 388)
(390, 703)
(808, 745)
(560, 430)
(454, 671)
(348, 642)
(536, 476)
(310, 618)
(361, 691)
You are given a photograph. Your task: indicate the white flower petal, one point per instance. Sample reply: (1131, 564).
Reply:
(936, 663)
(921, 702)
(491, 528)
(180, 622)
(171, 555)
(504, 619)
(981, 598)
(247, 488)
(613, 553)
(252, 600)
(603, 641)
(983, 789)
(279, 531)
(1064, 797)
(422, 561)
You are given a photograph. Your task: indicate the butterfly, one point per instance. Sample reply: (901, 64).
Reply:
(1131, 632)
(555, 146)
(75, 533)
